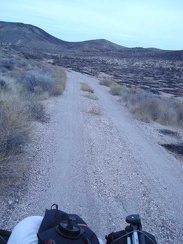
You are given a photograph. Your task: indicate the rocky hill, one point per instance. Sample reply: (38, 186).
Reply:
(148, 68)
(28, 36)
(24, 36)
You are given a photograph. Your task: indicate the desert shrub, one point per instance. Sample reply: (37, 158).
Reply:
(14, 125)
(176, 148)
(36, 110)
(90, 96)
(180, 114)
(149, 107)
(21, 63)
(24, 84)
(95, 111)
(86, 88)
(7, 63)
(51, 82)
(59, 75)
(146, 108)
(3, 85)
(106, 82)
(115, 89)
(56, 90)
(169, 132)
(37, 82)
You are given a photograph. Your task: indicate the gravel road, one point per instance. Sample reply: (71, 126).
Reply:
(93, 159)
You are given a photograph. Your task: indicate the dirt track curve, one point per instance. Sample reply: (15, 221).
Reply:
(94, 159)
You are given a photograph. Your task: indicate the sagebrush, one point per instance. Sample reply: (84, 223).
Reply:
(115, 89)
(24, 85)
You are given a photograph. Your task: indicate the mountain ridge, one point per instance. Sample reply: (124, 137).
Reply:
(148, 68)
(27, 35)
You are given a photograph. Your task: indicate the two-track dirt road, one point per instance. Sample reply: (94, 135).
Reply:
(94, 159)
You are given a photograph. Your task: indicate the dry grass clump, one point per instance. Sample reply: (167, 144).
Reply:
(95, 111)
(59, 75)
(36, 110)
(169, 133)
(115, 89)
(7, 64)
(86, 88)
(106, 82)
(90, 96)
(14, 125)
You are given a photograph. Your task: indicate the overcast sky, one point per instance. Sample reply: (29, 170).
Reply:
(130, 23)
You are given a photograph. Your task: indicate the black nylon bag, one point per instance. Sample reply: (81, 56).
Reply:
(49, 229)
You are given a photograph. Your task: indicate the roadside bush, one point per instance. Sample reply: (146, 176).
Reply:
(115, 89)
(106, 82)
(36, 110)
(51, 82)
(24, 85)
(90, 96)
(86, 88)
(3, 85)
(148, 107)
(144, 107)
(95, 111)
(14, 125)
(59, 75)
(37, 82)
(7, 63)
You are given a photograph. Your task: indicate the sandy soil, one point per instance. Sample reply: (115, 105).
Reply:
(95, 160)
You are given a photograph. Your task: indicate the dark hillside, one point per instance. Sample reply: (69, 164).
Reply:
(148, 68)
(24, 35)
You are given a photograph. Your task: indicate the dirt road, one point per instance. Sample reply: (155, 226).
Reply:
(95, 160)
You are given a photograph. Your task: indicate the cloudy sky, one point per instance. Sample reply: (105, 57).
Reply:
(130, 23)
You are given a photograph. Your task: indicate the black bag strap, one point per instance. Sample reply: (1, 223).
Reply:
(4, 236)
(54, 205)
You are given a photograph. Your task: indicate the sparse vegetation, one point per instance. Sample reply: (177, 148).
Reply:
(106, 82)
(90, 96)
(148, 107)
(36, 111)
(37, 82)
(86, 88)
(175, 148)
(169, 132)
(95, 111)
(24, 84)
(59, 76)
(14, 124)
(115, 89)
